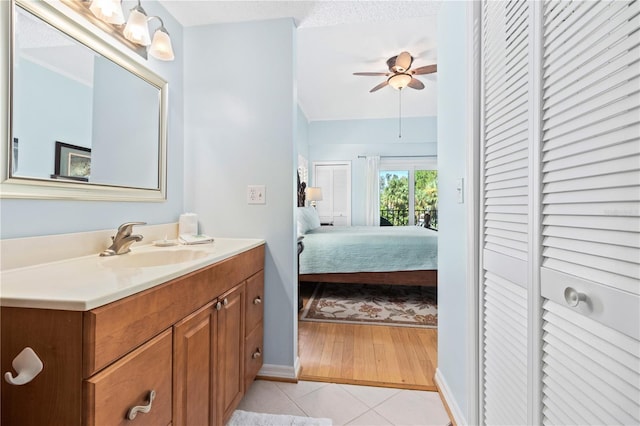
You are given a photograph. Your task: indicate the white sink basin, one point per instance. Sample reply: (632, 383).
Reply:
(154, 258)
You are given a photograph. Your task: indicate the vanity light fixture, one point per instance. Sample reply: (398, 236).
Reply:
(136, 29)
(109, 11)
(161, 44)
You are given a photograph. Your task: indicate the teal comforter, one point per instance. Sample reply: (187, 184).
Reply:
(335, 249)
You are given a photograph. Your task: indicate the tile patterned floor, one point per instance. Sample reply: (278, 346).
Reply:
(346, 404)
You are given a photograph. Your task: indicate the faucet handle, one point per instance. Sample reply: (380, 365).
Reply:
(127, 227)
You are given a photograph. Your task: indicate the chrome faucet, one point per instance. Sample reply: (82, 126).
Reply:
(123, 239)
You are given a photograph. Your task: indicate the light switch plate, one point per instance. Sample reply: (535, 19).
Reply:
(256, 194)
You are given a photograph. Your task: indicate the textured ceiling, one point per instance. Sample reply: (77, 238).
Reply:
(336, 39)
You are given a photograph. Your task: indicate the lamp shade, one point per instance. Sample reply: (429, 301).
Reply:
(109, 11)
(137, 30)
(399, 81)
(161, 46)
(314, 193)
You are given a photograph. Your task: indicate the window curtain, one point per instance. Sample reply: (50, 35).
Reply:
(373, 191)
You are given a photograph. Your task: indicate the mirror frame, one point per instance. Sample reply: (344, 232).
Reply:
(75, 25)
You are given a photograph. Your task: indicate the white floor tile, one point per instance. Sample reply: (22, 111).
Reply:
(346, 404)
(300, 389)
(370, 418)
(266, 397)
(370, 395)
(414, 408)
(333, 402)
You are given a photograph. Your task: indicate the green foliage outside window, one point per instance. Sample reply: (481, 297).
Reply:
(394, 197)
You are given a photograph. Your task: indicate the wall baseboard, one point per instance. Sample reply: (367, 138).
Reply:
(276, 372)
(452, 405)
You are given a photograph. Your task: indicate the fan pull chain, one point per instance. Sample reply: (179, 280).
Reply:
(400, 114)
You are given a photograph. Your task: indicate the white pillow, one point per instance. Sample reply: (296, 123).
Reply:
(308, 219)
(314, 218)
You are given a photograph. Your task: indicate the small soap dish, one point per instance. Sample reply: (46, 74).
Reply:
(165, 243)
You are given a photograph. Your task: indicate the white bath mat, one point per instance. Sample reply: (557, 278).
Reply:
(248, 418)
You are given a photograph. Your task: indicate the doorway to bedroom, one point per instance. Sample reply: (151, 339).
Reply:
(381, 334)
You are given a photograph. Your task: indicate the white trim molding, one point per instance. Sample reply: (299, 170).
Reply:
(445, 392)
(473, 141)
(275, 371)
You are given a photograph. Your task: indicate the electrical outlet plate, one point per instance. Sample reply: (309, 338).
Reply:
(256, 194)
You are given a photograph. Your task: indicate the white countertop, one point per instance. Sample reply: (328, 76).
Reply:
(84, 283)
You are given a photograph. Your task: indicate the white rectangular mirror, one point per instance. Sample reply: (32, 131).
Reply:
(86, 120)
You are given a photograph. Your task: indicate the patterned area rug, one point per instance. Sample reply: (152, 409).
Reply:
(408, 306)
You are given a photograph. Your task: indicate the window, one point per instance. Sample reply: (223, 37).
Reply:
(409, 192)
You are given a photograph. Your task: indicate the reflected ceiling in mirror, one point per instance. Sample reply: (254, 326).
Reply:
(83, 114)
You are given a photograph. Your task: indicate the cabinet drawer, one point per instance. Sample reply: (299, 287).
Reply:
(110, 394)
(253, 355)
(255, 301)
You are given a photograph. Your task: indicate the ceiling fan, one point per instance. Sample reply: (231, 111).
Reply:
(400, 75)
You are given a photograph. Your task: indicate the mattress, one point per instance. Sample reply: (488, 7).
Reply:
(344, 249)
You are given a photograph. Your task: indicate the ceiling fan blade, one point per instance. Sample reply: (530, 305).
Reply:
(391, 63)
(379, 86)
(427, 69)
(416, 84)
(371, 73)
(403, 62)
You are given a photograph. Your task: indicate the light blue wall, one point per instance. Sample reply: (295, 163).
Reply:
(452, 253)
(345, 140)
(47, 96)
(23, 218)
(302, 134)
(129, 146)
(240, 126)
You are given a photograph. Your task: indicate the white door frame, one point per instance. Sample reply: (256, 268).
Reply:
(472, 190)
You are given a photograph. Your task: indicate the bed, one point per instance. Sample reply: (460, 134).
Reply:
(400, 255)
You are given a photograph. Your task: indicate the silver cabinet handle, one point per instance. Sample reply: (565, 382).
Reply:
(218, 306)
(257, 300)
(225, 302)
(133, 412)
(256, 354)
(573, 297)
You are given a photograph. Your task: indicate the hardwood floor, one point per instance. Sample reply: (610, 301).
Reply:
(401, 357)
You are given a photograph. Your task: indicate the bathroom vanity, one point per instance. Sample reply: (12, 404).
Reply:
(140, 340)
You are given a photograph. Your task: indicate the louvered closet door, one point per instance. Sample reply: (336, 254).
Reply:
(505, 172)
(591, 222)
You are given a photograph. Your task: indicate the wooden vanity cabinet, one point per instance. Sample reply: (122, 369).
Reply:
(179, 339)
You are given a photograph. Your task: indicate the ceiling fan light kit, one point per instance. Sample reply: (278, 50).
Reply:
(399, 81)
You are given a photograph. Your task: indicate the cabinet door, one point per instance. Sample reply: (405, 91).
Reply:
(230, 352)
(193, 368)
